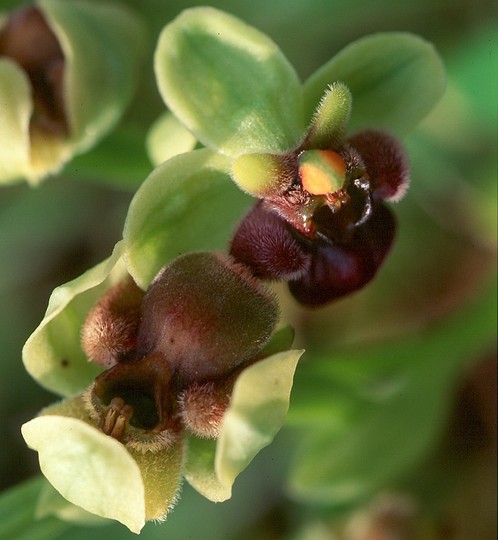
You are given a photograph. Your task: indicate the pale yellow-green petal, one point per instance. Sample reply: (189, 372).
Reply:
(52, 354)
(257, 410)
(15, 111)
(161, 471)
(88, 468)
(52, 503)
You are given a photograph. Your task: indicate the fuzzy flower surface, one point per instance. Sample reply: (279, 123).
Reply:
(186, 379)
(322, 157)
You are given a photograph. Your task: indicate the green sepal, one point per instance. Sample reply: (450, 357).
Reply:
(52, 354)
(228, 83)
(395, 79)
(188, 203)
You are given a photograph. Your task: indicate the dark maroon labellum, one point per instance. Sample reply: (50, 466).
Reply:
(332, 269)
(327, 244)
(207, 316)
(175, 352)
(263, 242)
(337, 270)
(385, 161)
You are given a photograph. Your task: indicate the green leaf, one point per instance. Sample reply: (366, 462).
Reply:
(199, 470)
(256, 413)
(52, 354)
(228, 83)
(395, 80)
(346, 467)
(168, 138)
(88, 468)
(187, 204)
(404, 390)
(15, 112)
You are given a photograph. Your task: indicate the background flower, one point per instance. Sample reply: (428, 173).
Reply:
(67, 73)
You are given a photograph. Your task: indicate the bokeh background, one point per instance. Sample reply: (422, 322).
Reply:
(429, 318)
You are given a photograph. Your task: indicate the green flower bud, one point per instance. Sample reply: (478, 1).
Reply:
(67, 71)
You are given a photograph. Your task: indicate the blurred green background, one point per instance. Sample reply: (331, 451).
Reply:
(393, 417)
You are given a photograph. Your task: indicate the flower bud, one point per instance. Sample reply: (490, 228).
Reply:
(67, 71)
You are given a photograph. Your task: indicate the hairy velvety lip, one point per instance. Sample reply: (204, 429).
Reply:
(321, 224)
(317, 270)
(173, 353)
